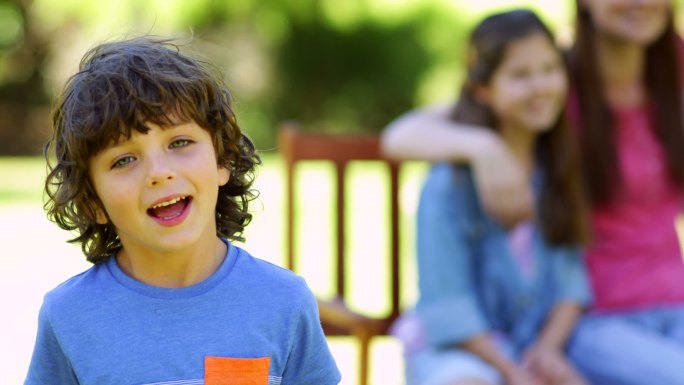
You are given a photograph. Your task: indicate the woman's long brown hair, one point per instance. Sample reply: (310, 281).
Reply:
(596, 130)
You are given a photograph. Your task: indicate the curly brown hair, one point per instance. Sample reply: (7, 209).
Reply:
(120, 87)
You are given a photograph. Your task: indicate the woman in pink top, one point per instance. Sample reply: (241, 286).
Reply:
(627, 108)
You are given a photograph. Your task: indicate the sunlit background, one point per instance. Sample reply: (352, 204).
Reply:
(334, 65)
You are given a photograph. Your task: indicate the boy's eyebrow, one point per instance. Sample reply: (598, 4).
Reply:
(104, 154)
(122, 139)
(119, 142)
(113, 144)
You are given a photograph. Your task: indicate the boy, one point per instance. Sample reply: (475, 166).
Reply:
(153, 174)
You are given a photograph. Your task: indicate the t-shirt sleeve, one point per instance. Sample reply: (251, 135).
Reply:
(48, 365)
(448, 308)
(310, 361)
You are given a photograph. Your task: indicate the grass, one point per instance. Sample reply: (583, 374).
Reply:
(37, 258)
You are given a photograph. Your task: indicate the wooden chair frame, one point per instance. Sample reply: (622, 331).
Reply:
(336, 317)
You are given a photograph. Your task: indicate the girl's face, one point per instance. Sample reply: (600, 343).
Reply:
(634, 21)
(528, 89)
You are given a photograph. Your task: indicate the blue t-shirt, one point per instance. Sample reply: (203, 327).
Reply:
(250, 318)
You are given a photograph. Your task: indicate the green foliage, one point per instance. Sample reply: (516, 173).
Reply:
(11, 25)
(341, 81)
(335, 66)
(22, 55)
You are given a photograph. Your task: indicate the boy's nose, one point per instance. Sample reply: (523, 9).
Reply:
(159, 173)
(159, 179)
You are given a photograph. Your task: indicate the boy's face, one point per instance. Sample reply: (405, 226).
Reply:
(160, 189)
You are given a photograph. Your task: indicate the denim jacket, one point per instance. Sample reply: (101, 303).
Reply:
(469, 282)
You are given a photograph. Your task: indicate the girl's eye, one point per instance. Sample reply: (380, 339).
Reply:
(180, 143)
(123, 161)
(551, 67)
(520, 74)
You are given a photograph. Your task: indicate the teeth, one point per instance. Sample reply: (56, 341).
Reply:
(172, 201)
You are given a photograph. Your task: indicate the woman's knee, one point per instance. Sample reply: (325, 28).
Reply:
(615, 350)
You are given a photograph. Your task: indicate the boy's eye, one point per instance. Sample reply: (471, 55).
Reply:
(180, 143)
(123, 161)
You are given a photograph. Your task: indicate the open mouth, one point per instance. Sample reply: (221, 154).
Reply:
(169, 210)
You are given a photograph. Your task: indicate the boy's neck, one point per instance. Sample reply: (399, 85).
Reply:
(173, 270)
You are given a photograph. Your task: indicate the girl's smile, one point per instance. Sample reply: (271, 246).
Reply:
(629, 21)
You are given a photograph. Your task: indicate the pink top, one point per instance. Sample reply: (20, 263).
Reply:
(520, 243)
(635, 261)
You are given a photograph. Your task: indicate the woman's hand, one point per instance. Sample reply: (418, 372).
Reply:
(430, 134)
(520, 376)
(551, 366)
(502, 182)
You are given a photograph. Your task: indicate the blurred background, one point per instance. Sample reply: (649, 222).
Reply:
(336, 66)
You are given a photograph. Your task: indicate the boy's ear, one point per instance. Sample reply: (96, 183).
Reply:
(100, 216)
(224, 175)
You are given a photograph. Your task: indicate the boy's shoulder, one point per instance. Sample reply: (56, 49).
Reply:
(256, 271)
(84, 283)
(75, 283)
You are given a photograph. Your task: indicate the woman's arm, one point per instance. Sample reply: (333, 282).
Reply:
(429, 134)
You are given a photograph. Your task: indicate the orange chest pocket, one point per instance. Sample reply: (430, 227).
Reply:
(236, 371)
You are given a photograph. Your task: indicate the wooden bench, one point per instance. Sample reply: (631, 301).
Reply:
(336, 316)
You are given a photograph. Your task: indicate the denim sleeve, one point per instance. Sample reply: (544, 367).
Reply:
(310, 361)
(448, 306)
(571, 277)
(48, 365)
